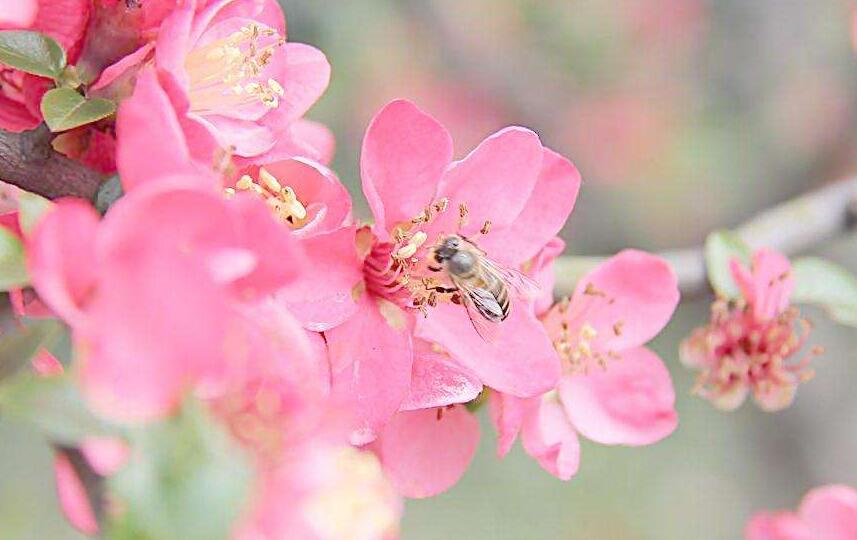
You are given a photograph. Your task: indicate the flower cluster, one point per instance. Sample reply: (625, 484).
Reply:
(345, 358)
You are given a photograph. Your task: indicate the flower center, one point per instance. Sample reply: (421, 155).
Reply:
(281, 199)
(738, 350)
(403, 271)
(575, 340)
(227, 73)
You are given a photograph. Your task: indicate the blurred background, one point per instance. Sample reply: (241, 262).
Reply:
(683, 116)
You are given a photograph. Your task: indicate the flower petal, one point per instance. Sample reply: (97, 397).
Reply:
(316, 136)
(549, 437)
(371, 367)
(405, 153)
(72, 496)
(777, 526)
(304, 79)
(831, 512)
(507, 414)
(544, 215)
(627, 300)
(18, 13)
(768, 286)
(494, 181)
(520, 360)
(631, 402)
(436, 380)
(60, 257)
(425, 454)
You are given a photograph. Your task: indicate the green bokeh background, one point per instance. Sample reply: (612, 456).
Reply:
(683, 116)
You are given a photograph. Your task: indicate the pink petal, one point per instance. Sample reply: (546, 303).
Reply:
(544, 215)
(631, 402)
(267, 12)
(424, 455)
(631, 298)
(549, 437)
(106, 454)
(437, 381)
(316, 136)
(519, 360)
(72, 496)
(371, 362)
(245, 137)
(831, 512)
(768, 286)
(405, 153)
(172, 46)
(495, 181)
(122, 67)
(18, 13)
(321, 297)
(507, 415)
(15, 117)
(150, 140)
(777, 526)
(60, 257)
(540, 269)
(305, 78)
(65, 21)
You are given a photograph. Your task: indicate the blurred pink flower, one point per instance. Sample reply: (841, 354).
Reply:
(21, 93)
(417, 195)
(826, 513)
(224, 78)
(749, 344)
(167, 287)
(613, 389)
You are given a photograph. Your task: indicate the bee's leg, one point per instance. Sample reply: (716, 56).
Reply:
(434, 268)
(443, 290)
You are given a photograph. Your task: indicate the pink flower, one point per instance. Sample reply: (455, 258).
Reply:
(21, 93)
(224, 77)
(169, 287)
(826, 513)
(750, 343)
(511, 184)
(310, 201)
(613, 389)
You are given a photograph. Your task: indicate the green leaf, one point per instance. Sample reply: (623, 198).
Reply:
(188, 482)
(827, 285)
(13, 266)
(54, 406)
(720, 248)
(31, 208)
(64, 109)
(19, 347)
(32, 52)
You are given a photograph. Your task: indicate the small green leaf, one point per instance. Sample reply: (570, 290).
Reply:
(64, 109)
(54, 406)
(32, 52)
(720, 248)
(13, 266)
(188, 480)
(31, 208)
(19, 347)
(827, 285)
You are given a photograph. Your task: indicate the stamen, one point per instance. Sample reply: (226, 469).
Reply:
(281, 199)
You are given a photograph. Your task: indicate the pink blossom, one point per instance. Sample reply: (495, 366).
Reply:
(167, 287)
(21, 93)
(613, 389)
(418, 195)
(224, 78)
(749, 344)
(826, 513)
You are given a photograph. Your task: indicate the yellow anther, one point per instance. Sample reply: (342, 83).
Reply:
(230, 192)
(587, 332)
(276, 87)
(244, 183)
(485, 227)
(297, 210)
(270, 181)
(408, 250)
(419, 238)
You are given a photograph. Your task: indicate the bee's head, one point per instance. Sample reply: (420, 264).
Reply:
(447, 248)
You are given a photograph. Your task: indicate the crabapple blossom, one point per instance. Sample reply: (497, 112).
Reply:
(511, 195)
(750, 344)
(613, 390)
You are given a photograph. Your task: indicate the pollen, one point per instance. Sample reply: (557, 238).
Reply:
(281, 199)
(229, 73)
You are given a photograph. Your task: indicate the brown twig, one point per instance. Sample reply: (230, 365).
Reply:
(791, 227)
(28, 160)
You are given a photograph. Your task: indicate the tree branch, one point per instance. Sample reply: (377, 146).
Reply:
(28, 160)
(791, 227)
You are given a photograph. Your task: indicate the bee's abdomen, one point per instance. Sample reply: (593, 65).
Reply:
(501, 293)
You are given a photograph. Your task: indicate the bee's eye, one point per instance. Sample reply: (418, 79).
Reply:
(453, 242)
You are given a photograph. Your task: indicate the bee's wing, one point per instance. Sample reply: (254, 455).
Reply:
(520, 283)
(482, 309)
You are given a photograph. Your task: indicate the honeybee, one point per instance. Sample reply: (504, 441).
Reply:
(483, 284)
